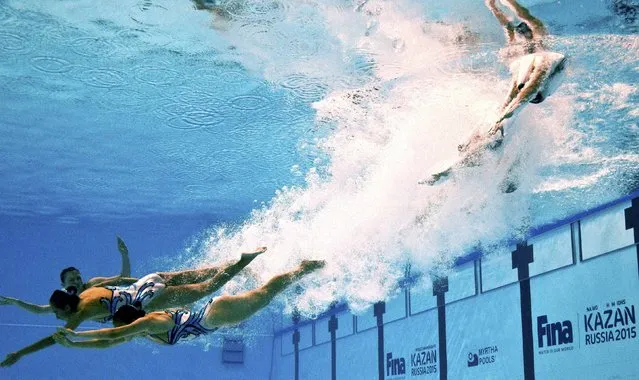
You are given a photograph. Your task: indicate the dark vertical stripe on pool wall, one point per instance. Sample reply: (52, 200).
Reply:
(632, 222)
(440, 287)
(296, 343)
(378, 310)
(521, 258)
(332, 328)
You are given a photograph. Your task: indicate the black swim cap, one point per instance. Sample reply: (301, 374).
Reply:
(72, 290)
(127, 314)
(61, 299)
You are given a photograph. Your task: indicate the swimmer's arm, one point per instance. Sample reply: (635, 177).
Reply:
(63, 340)
(125, 274)
(13, 357)
(126, 262)
(142, 326)
(33, 308)
(532, 86)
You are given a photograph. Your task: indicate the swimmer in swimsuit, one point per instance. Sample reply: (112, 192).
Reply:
(169, 327)
(535, 75)
(70, 278)
(533, 68)
(156, 291)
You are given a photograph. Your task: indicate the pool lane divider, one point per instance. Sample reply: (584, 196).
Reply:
(378, 310)
(440, 287)
(521, 259)
(632, 221)
(332, 328)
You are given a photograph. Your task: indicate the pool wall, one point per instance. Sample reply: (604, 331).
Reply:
(562, 304)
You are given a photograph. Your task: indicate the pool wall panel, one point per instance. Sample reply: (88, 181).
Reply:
(365, 321)
(562, 304)
(553, 250)
(484, 335)
(497, 269)
(605, 231)
(461, 283)
(586, 300)
(421, 298)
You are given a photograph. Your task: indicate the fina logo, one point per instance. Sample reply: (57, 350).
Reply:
(553, 334)
(395, 366)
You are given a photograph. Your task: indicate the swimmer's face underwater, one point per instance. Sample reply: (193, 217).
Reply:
(63, 304)
(72, 278)
(61, 314)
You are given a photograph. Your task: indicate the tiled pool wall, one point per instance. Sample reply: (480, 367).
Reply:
(561, 305)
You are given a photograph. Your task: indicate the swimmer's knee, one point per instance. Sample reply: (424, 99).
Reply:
(223, 305)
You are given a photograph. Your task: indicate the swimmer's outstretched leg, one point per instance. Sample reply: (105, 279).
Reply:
(535, 24)
(181, 295)
(200, 275)
(230, 310)
(509, 28)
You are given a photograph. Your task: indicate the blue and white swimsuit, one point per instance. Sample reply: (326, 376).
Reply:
(188, 324)
(139, 293)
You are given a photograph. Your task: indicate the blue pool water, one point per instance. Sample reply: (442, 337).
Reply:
(305, 127)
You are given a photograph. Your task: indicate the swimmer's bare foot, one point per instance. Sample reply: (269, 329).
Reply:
(498, 128)
(254, 254)
(308, 266)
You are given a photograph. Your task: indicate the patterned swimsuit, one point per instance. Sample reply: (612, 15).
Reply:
(140, 294)
(188, 324)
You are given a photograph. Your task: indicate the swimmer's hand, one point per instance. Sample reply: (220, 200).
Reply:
(497, 128)
(10, 360)
(66, 332)
(122, 247)
(7, 300)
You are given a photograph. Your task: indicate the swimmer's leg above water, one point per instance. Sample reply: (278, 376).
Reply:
(537, 27)
(509, 28)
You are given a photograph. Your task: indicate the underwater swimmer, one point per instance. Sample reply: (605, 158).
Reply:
(70, 278)
(171, 326)
(156, 291)
(534, 69)
(535, 75)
